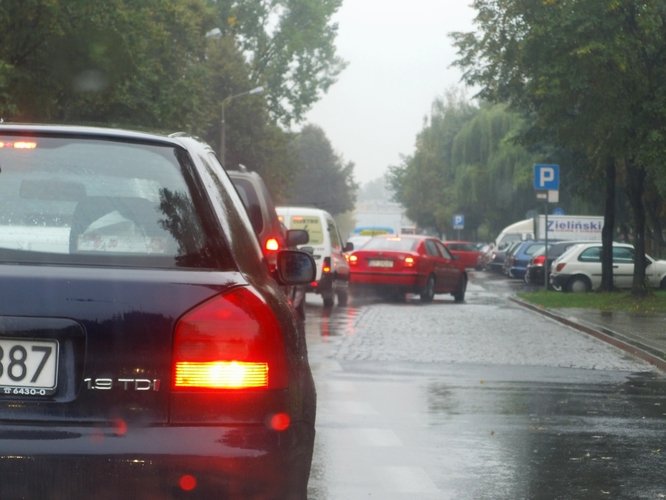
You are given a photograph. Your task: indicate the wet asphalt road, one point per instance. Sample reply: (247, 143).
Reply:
(478, 400)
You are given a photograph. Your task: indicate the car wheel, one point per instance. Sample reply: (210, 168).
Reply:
(327, 297)
(459, 295)
(343, 296)
(428, 292)
(579, 284)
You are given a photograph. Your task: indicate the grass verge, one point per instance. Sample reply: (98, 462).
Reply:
(653, 303)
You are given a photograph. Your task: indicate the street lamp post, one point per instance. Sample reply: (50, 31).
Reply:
(225, 101)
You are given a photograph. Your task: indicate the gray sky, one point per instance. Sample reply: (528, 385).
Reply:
(398, 55)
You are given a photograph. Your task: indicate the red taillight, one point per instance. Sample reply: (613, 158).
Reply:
(326, 266)
(539, 260)
(19, 145)
(272, 245)
(409, 262)
(560, 266)
(352, 259)
(232, 341)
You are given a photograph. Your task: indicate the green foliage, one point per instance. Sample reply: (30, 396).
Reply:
(289, 45)
(323, 179)
(624, 301)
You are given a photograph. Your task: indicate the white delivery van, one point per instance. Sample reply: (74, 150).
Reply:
(326, 246)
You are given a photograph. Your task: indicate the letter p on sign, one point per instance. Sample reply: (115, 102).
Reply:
(546, 177)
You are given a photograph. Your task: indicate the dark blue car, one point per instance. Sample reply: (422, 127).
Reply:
(145, 349)
(520, 258)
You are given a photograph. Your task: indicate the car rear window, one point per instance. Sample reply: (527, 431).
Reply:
(312, 224)
(81, 200)
(395, 244)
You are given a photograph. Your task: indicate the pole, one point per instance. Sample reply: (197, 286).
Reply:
(223, 137)
(545, 252)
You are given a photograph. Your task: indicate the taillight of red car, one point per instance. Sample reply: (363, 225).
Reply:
(230, 342)
(538, 260)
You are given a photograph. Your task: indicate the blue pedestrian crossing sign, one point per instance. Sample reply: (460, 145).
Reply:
(458, 221)
(546, 177)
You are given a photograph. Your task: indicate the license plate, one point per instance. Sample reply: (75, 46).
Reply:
(28, 367)
(380, 263)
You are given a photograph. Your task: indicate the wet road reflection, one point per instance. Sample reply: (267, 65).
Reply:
(478, 400)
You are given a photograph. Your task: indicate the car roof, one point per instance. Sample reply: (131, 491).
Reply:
(91, 132)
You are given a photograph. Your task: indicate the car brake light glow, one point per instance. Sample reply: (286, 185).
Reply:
(326, 266)
(272, 245)
(353, 259)
(18, 145)
(409, 262)
(232, 341)
(222, 374)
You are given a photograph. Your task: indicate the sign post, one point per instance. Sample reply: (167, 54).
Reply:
(459, 223)
(547, 185)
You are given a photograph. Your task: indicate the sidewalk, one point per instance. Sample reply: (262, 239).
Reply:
(640, 335)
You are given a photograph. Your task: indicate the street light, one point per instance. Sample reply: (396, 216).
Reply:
(225, 101)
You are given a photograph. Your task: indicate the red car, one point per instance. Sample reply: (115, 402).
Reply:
(466, 251)
(394, 265)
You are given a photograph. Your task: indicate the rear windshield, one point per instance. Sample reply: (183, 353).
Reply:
(80, 200)
(395, 244)
(310, 223)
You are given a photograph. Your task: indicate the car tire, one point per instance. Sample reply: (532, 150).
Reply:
(579, 284)
(328, 298)
(428, 291)
(459, 295)
(343, 298)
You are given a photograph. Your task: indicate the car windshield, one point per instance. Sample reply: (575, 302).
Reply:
(68, 199)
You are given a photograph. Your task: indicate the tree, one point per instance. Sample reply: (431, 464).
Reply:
(582, 72)
(289, 46)
(323, 179)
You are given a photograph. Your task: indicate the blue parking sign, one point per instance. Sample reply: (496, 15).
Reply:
(546, 177)
(458, 221)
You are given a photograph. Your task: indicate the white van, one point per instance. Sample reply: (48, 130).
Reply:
(326, 246)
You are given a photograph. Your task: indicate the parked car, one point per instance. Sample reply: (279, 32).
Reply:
(396, 265)
(508, 256)
(325, 244)
(535, 268)
(497, 256)
(520, 257)
(273, 236)
(467, 252)
(579, 268)
(143, 343)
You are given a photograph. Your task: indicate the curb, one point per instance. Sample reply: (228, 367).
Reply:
(631, 346)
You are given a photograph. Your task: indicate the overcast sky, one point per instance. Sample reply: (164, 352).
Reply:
(399, 58)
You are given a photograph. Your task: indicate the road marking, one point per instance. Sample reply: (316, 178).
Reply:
(408, 480)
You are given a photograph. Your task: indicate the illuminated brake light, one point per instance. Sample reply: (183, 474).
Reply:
(352, 259)
(326, 266)
(272, 245)
(233, 341)
(18, 145)
(222, 374)
(409, 262)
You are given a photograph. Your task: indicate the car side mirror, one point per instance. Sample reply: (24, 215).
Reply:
(295, 267)
(297, 237)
